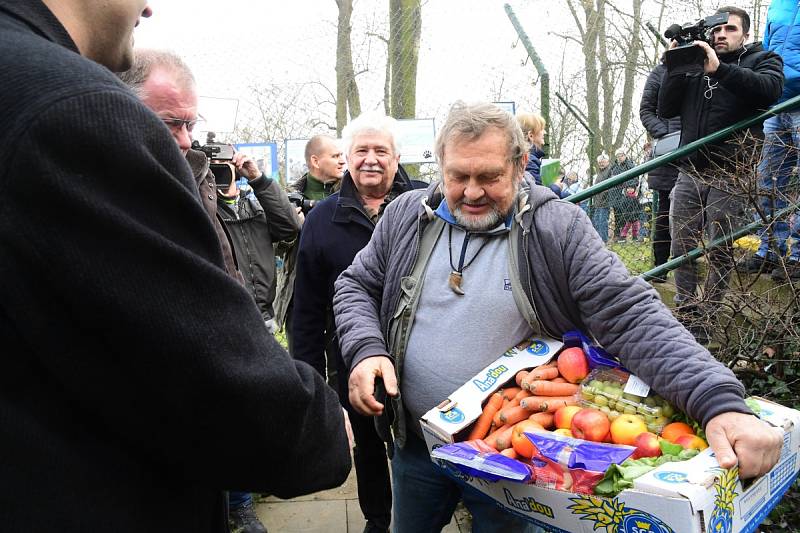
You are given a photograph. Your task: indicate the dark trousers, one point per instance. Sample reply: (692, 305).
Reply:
(696, 205)
(662, 241)
(369, 458)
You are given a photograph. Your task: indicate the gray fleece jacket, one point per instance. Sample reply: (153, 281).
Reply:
(572, 281)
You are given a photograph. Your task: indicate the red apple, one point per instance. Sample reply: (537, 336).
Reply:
(646, 445)
(590, 424)
(572, 365)
(625, 429)
(563, 416)
(691, 442)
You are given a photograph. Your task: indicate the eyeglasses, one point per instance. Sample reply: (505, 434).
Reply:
(176, 124)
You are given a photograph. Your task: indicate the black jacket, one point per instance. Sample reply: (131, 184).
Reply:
(259, 218)
(133, 368)
(746, 82)
(662, 178)
(333, 233)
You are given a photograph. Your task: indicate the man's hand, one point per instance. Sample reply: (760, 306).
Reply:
(737, 436)
(362, 384)
(300, 216)
(245, 166)
(711, 63)
(348, 429)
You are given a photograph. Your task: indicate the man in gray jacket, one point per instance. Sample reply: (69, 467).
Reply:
(482, 260)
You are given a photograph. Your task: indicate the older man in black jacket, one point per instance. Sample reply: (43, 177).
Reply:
(127, 348)
(735, 81)
(334, 232)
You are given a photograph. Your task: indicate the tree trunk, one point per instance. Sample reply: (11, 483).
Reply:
(405, 28)
(346, 88)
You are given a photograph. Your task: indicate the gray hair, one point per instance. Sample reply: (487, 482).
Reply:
(146, 60)
(470, 121)
(370, 122)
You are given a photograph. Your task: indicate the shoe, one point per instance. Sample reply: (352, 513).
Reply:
(243, 519)
(372, 528)
(756, 264)
(792, 269)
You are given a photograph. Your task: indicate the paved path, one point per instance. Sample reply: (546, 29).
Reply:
(330, 511)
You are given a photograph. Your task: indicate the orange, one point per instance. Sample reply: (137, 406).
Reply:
(522, 444)
(675, 429)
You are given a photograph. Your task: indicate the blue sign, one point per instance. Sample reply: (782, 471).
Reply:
(264, 154)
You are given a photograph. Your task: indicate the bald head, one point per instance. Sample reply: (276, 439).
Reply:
(324, 158)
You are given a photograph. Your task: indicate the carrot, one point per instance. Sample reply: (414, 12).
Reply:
(484, 422)
(510, 392)
(491, 440)
(544, 419)
(539, 373)
(512, 415)
(506, 405)
(522, 394)
(559, 379)
(520, 376)
(548, 388)
(548, 404)
(504, 438)
(509, 452)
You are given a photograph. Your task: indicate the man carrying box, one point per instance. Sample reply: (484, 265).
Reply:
(456, 274)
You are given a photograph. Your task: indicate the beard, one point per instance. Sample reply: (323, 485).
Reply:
(489, 220)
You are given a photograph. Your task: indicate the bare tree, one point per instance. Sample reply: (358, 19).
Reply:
(347, 95)
(405, 29)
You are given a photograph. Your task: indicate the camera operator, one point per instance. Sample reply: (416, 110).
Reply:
(255, 217)
(734, 81)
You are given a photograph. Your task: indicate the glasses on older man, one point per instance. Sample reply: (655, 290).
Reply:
(177, 124)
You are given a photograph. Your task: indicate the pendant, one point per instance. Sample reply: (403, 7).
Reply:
(454, 282)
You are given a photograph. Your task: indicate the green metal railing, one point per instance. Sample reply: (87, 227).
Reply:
(681, 152)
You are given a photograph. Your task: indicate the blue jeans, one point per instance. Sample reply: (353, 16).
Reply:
(425, 497)
(778, 157)
(600, 221)
(237, 499)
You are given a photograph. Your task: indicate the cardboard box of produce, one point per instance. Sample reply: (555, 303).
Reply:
(682, 497)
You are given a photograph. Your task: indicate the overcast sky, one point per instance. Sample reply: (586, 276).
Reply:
(469, 50)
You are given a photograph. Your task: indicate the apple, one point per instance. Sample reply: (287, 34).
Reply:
(646, 445)
(563, 416)
(520, 442)
(563, 432)
(572, 364)
(590, 424)
(691, 442)
(626, 428)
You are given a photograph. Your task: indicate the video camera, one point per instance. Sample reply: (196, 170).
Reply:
(299, 200)
(219, 154)
(687, 52)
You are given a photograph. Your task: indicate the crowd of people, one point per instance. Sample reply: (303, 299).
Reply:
(142, 388)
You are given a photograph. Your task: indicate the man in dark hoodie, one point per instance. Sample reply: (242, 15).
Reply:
(129, 352)
(735, 81)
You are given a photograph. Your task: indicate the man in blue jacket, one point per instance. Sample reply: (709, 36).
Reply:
(334, 232)
(781, 145)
